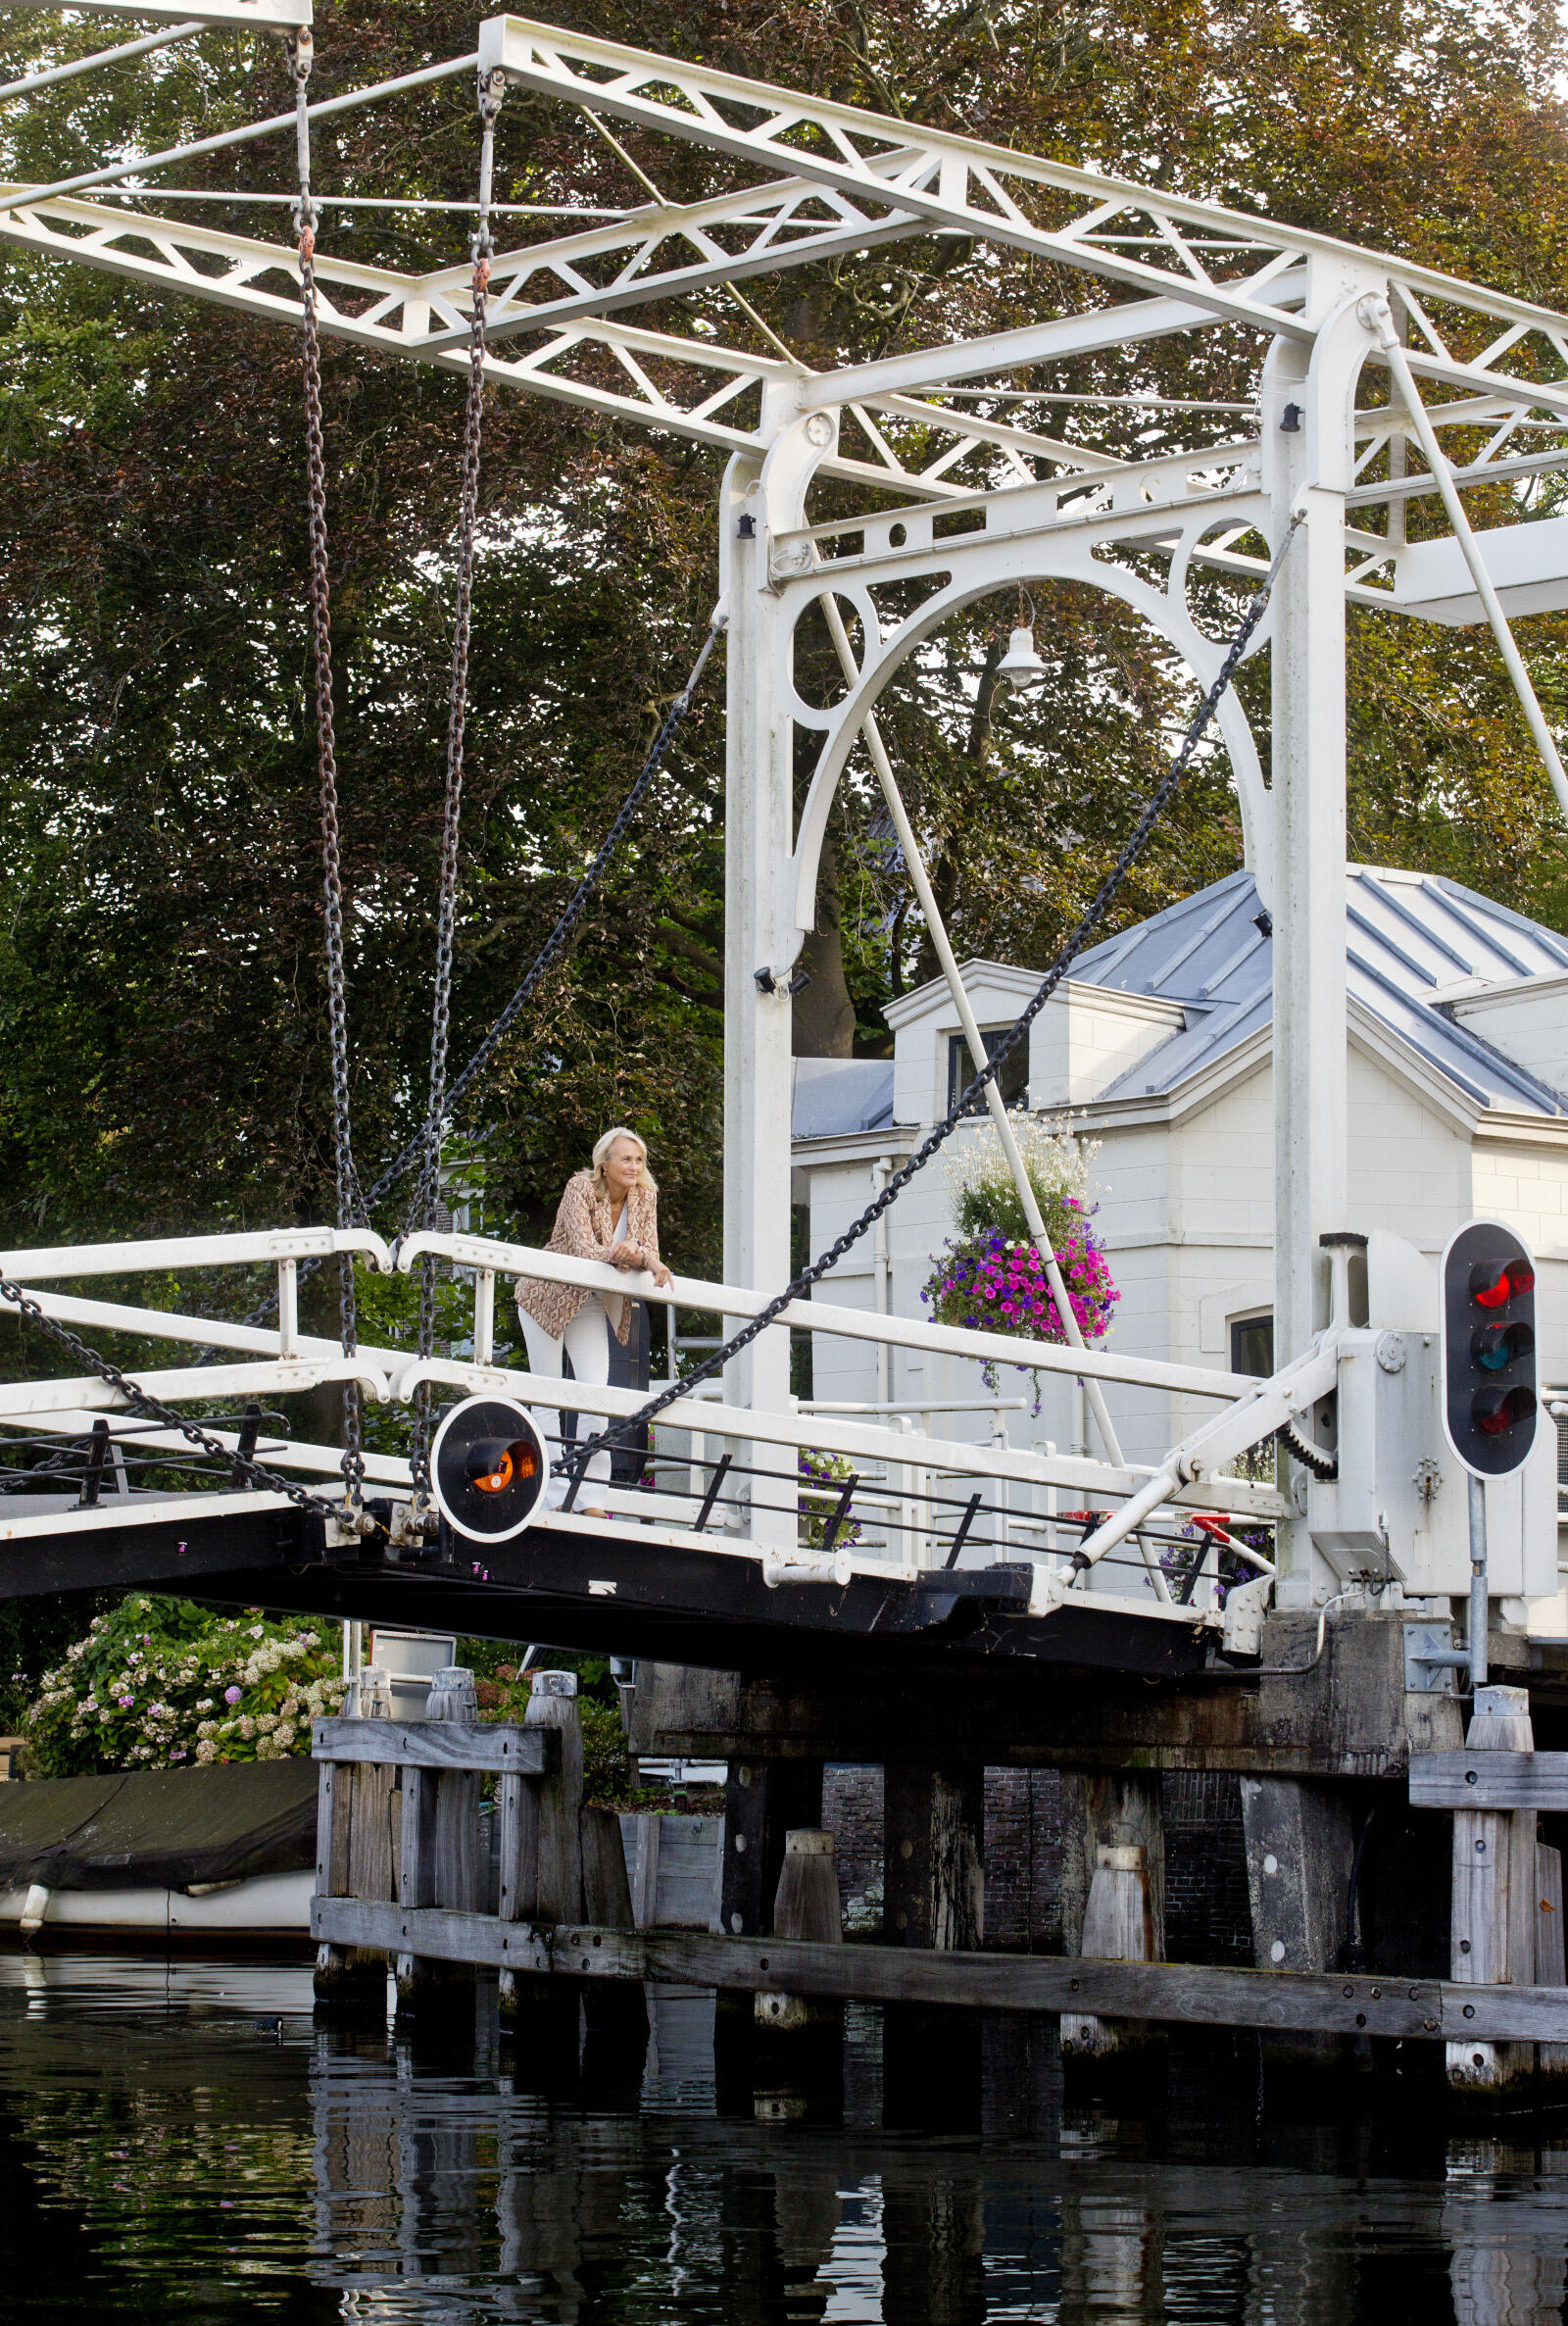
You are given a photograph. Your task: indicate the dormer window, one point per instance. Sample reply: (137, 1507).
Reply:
(1013, 1081)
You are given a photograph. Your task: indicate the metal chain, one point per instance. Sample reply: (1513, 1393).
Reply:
(300, 57)
(1104, 898)
(492, 88)
(142, 1402)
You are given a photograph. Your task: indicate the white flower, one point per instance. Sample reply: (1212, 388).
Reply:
(207, 1749)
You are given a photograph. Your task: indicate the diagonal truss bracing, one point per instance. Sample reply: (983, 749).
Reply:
(821, 180)
(689, 386)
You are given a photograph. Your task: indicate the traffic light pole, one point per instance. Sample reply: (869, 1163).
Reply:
(1478, 1582)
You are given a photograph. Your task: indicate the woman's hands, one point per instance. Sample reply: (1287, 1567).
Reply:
(632, 1256)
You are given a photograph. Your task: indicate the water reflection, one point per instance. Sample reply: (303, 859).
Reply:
(178, 2141)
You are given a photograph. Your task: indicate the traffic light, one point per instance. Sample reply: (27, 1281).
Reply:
(1488, 1348)
(488, 1468)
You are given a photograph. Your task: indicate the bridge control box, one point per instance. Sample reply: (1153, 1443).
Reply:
(1398, 1506)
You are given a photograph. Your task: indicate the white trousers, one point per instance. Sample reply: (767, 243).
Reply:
(586, 1341)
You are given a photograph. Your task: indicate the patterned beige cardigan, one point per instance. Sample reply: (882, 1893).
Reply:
(585, 1226)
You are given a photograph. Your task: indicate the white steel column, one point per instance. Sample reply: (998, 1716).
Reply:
(759, 931)
(1310, 467)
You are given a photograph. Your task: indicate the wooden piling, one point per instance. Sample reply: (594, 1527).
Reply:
(542, 1875)
(933, 1880)
(933, 1888)
(1495, 1900)
(615, 2010)
(440, 1862)
(355, 1857)
(806, 1905)
(1113, 1899)
(765, 1800)
(1300, 1844)
(1552, 1970)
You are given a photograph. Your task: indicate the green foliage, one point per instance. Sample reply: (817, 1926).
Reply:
(35, 1633)
(606, 1766)
(157, 1682)
(606, 1763)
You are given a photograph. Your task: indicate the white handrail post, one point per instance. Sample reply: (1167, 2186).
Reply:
(288, 1309)
(484, 1315)
(899, 1485)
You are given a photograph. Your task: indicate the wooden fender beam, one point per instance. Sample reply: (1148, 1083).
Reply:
(1433, 2009)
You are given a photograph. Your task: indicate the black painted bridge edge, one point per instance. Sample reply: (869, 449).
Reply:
(607, 1595)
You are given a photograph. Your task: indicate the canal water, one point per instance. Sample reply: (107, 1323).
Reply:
(177, 2143)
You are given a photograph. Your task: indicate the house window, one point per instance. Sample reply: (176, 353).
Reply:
(1013, 1080)
(1253, 1343)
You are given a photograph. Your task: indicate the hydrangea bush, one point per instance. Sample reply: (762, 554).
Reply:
(990, 1275)
(160, 1683)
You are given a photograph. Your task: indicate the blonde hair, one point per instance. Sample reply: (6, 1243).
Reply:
(602, 1147)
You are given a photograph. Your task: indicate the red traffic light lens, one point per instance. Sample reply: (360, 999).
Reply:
(1495, 1282)
(1496, 1412)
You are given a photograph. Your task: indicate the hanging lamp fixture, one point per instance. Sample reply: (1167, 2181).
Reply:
(1021, 668)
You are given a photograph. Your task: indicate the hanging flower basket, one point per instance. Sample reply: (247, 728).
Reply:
(823, 1480)
(990, 1276)
(994, 1283)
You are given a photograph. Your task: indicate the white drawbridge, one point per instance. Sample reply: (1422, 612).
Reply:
(1363, 370)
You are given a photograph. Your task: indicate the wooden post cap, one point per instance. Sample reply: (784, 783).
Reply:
(552, 1683)
(453, 1675)
(1502, 1704)
(807, 1841)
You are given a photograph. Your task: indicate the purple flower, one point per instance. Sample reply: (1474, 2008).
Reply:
(126, 1703)
(231, 1696)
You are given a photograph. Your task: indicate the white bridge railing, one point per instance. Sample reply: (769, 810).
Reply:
(916, 1497)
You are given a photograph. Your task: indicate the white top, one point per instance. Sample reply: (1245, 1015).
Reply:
(618, 1234)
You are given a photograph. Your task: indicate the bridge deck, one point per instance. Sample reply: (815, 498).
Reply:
(616, 1586)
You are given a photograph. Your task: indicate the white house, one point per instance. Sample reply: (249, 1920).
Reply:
(1160, 1047)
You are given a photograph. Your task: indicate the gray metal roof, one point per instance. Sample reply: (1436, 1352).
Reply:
(1412, 940)
(837, 1096)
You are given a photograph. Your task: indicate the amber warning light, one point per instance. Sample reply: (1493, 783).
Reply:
(494, 1465)
(489, 1469)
